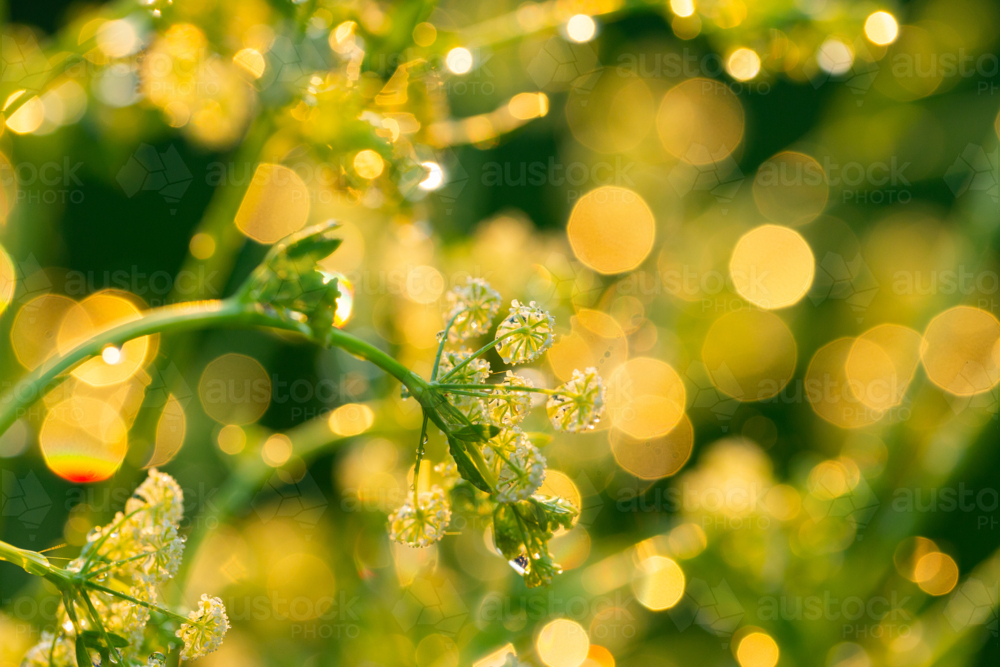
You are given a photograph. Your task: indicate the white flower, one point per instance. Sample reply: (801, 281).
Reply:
(207, 627)
(162, 495)
(508, 408)
(51, 651)
(519, 466)
(473, 305)
(577, 405)
(475, 372)
(166, 548)
(524, 346)
(422, 524)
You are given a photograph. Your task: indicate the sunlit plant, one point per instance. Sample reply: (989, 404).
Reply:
(110, 612)
(480, 419)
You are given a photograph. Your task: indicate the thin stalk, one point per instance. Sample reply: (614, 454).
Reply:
(141, 603)
(444, 339)
(420, 458)
(160, 320)
(495, 388)
(483, 350)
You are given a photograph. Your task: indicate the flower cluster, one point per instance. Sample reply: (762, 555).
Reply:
(111, 588)
(491, 456)
(421, 521)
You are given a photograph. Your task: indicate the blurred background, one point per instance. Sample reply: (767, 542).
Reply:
(771, 225)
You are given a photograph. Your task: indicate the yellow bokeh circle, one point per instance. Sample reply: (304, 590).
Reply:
(700, 121)
(791, 188)
(645, 398)
(749, 354)
(234, 389)
(611, 229)
(275, 205)
(772, 267)
(959, 351)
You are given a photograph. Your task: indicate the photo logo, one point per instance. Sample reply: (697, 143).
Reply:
(974, 603)
(848, 280)
(701, 171)
(147, 169)
(433, 604)
(713, 608)
(24, 499)
(560, 64)
(284, 498)
(975, 170)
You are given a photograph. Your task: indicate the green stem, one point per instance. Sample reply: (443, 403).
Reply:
(420, 458)
(141, 603)
(495, 388)
(444, 339)
(32, 563)
(483, 350)
(159, 320)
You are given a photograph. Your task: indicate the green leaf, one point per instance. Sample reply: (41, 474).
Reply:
(82, 654)
(476, 432)
(95, 639)
(506, 532)
(551, 513)
(290, 282)
(466, 468)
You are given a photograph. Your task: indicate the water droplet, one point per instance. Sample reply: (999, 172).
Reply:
(521, 564)
(156, 659)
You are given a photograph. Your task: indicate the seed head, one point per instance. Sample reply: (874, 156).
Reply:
(577, 405)
(473, 305)
(423, 523)
(536, 337)
(508, 408)
(206, 629)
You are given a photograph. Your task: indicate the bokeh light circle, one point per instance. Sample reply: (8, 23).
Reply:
(772, 267)
(36, 327)
(83, 439)
(750, 354)
(959, 351)
(645, 398)
(657, 457)
(96, 313)
(658, 583)
(611, 229)
(828, 391)
(700, 121)
(791, 188)
(757, 649)
(234, 389)
(563, 643)
(275, 205)
(881, 365)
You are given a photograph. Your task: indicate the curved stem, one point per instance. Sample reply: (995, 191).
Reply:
(441, 344)
(160, 320)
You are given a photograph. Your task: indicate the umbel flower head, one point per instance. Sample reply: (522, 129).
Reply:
(473, 307)
(205, 630)
(526, 333)
(422, 522)
(119, 568)
(509, 408)
(475, 372)
(577, 405)
(519, 466)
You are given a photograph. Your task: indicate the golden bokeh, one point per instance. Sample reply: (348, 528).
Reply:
(562, 643)
(424, 34)
(772, 267)
(791, 188)
(657, 457)
(234, 389)
(743, 64)
(750, 354)
(28, 117)
(616, 116)
(611, 229)
(275, 205)
(277, 450)
(36, 326)
(96, 313)
(658, 583)
(700, 121)
(170, 431)
(881, 28)
(8, 186)
(8, 276)
(525, 106)
(959, 351)
(936, 573)
(202, 246)
(231, 439)
(828, 391)
(757, 649)
(595, 339)
(881, 365)
(368, 164)
(909, 552)
(83, 440)
(645, 398)
(351, 419)
(250, 61)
